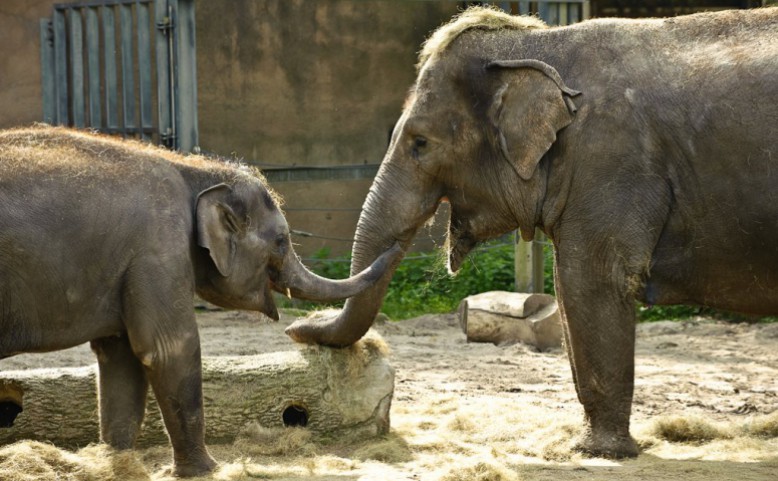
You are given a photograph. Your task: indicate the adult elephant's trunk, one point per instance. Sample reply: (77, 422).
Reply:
(395, 208)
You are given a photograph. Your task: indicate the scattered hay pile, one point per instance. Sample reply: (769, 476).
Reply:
(34, 461)
(699, 430)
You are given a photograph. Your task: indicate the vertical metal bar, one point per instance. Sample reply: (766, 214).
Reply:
(77, 67)
(109, 61)
(60, 68)
(144, 67)
(164, 63)
(574, 10)
(563, 20)
(93, 64)
(523, 8)
(187, 74)
(128, 71)
(586, 10)
(549, 12)
(48, 87)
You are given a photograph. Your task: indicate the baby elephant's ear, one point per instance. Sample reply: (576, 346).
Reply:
(528, 109)
(217, 226)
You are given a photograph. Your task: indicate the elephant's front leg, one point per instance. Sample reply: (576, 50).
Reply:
(122, 389)
(163, 334)
(599, 317)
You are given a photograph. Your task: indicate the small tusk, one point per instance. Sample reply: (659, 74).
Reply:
(288, 293)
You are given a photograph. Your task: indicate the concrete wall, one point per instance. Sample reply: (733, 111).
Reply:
(307, 83)
(300, 82)
(20, 85)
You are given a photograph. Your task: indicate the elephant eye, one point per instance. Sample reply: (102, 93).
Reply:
(418, 143)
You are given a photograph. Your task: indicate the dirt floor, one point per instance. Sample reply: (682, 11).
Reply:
(706, 408)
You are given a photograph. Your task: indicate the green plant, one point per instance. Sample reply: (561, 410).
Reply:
(422, 285)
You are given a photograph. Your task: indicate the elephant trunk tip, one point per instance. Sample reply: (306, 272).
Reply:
(378, 268)
(309, 331)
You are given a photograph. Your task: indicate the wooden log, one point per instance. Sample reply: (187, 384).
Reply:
(335, 393)
(503, 317)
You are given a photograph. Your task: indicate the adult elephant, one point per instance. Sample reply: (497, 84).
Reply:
(107, 241)
(647, 151)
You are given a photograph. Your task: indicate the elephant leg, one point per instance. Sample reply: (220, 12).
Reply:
(122, 389)
(163, 334)
(599, 317)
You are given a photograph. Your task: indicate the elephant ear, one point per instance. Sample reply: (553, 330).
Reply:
(528, 110)
(218, 226)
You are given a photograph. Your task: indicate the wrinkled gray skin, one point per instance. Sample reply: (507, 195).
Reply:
(660, 188)
(105, 241)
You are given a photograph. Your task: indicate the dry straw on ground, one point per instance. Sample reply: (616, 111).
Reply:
(487, 413)
(34, 461)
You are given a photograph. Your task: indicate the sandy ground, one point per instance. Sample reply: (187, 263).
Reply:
(466, 411)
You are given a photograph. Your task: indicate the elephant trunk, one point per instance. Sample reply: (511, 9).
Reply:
(390, 216)
(297, 281)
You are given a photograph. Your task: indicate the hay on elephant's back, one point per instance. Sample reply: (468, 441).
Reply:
(36, 461)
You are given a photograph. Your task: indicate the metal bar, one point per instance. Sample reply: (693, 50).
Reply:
(186, 103)
(128, 71)
(48, 87)
(93, 64)
(109, 64)
(574, 13)
(77, 67)
(144, 66)
(563, 15)
(163, 65)
(60, 69)
(99, 3)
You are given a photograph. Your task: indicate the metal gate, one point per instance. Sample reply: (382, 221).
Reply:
(553, 12)
(105, 64)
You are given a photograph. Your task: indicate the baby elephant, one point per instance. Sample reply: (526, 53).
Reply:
(107, 241)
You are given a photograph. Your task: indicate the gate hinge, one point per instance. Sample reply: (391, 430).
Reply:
(50, 33)
(168, 138)
(166, 24)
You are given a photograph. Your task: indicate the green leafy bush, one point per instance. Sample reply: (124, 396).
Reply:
(422, 285)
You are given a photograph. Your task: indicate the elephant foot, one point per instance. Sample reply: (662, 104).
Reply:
(607, 445)
(191, 469)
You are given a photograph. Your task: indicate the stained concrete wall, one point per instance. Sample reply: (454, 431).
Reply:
(307, 83)
(300, 82)
(20, 85)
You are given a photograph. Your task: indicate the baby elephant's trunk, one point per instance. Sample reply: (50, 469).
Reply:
(297, 281)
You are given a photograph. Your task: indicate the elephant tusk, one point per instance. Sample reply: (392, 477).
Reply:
(288, 293)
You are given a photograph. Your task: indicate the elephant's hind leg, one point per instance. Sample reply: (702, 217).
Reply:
(122, 389)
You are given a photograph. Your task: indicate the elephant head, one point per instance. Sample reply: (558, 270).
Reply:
(473, 132)
(247, 253)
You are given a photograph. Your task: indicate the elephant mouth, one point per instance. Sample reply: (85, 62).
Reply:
(269, 304)
(459, 250)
